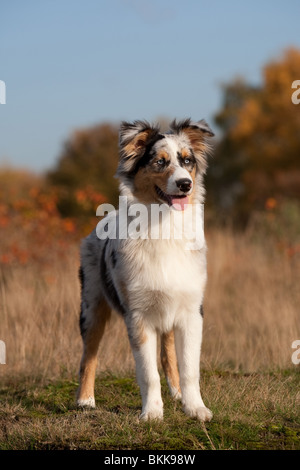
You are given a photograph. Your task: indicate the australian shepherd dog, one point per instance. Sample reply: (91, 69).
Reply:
(156, 283)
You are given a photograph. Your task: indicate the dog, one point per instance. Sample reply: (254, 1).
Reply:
(156, 285)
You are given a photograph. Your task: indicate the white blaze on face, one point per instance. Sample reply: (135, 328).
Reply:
(178, 174)
(173, 149)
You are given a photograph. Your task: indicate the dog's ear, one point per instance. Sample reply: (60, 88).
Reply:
(198, 134)
(134, 139)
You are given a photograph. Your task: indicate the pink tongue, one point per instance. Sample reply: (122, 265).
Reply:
(179, 203)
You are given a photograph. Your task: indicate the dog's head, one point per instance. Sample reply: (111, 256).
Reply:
(164, 168)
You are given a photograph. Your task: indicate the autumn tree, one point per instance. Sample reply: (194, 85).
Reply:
(258, 156)
(84, 173)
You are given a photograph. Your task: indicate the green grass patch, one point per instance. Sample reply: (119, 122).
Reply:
(251, 411)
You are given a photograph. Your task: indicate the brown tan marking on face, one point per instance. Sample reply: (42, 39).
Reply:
(192, 195)
(198, 144)
(185, 153)
(162, 154)
(145, 181)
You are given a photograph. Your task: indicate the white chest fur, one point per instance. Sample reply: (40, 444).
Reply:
(163, 280)
(163, 265)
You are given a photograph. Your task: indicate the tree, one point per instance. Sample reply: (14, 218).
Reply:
(258, 154)
(84, 174)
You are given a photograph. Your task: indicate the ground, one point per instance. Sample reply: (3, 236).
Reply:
(251, 411)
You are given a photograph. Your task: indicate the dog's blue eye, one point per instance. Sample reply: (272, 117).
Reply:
(187, 161)
(161, 161)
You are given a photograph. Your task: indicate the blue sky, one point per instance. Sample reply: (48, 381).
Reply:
(69, 64)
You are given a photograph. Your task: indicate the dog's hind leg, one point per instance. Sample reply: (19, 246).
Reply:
(92, 325)
(169, 363)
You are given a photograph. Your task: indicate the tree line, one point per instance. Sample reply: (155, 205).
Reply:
(256, 159)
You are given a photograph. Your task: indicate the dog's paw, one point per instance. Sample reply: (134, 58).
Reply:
(86, 403)
(201, 412)
(175, 393)
(154, 412)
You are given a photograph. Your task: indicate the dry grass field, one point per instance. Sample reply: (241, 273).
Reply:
(251, 314)
(251, 318)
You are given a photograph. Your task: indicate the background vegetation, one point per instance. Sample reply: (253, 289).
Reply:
(251, 303)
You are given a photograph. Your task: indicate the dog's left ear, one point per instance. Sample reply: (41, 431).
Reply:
(135, 137)
(198, 134)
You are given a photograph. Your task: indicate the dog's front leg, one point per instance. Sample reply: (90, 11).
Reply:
(144, 343)
(188, 337)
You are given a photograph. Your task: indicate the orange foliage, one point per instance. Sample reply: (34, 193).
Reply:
(268, 123)
(270, 203)
(257, 157)
(89, 197)
(32, 229)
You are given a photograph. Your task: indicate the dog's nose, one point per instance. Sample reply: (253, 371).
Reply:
(184, 184)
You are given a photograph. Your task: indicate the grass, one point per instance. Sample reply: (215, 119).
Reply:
(251, 312)
(251, 318)
(251, 411)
